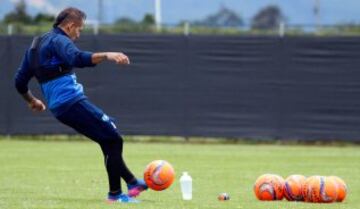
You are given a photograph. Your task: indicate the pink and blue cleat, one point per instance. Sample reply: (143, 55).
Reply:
(135, 189)
(123, 198)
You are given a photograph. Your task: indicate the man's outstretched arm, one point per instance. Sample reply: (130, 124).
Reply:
(74, 57)
(117, 57)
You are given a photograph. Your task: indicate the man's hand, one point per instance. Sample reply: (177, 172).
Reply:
(36, 105)
(118, 57)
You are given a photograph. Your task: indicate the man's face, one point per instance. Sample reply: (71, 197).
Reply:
(74, 30)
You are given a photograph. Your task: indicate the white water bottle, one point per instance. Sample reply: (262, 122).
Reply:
(186, 186)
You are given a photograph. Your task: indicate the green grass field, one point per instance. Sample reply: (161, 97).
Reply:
(51, 174)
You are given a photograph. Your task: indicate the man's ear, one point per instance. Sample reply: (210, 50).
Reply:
(71, 25)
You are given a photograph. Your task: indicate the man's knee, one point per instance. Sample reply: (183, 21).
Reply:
(112, 137)
(112, 145)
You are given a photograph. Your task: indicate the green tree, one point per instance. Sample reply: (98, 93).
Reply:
(19, 15)
(267, 18)
(148, 19)
(41, 18)
(224, 17)
(125, 21)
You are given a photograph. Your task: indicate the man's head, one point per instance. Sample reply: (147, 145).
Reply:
(71, 21)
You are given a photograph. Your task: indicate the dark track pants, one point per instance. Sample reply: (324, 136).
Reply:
(92, 122)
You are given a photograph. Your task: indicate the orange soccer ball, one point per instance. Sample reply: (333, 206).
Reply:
(341, 188)
(319, 189)
(159, 175)
(293, 187)
(269, 187)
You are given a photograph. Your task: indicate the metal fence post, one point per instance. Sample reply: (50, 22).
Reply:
(10, 28)
(96, 29)
(281, 29)
(186, 28)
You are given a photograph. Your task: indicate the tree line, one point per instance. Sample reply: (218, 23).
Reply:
(224, 21)
(267, 18)
(20, 15)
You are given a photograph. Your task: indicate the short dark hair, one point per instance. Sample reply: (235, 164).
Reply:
(70, 14)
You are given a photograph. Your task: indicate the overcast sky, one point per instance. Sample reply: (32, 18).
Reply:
(173, 11)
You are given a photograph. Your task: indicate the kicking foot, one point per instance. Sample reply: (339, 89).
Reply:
(134, 190)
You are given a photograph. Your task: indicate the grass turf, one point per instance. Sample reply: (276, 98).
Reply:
(51, 174)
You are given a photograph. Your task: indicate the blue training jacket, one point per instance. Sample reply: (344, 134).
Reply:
(56, 49)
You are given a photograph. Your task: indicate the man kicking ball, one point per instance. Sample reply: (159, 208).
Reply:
(51, 59)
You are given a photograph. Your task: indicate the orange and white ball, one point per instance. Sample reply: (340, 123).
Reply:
(159, 175)
(269, 187)
(223, 197)
(293, 187)
(341, 188)
(319, 189)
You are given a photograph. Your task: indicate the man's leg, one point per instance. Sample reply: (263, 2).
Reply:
(90, 121)
(115, 164)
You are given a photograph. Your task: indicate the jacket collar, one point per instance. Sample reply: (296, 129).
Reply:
(58, 30)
